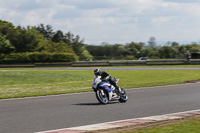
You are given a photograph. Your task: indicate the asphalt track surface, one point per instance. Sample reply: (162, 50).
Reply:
(30, 115)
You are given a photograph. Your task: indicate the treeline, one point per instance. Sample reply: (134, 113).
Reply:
(39, 44)
(133, 50)
(42, 44)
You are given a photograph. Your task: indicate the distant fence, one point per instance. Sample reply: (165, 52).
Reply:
(127, 63)
(90, 63)
(167, 62)
(106, 63)
(54, 64)
(195, 61)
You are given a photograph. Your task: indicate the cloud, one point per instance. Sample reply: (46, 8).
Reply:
(109, 20)
(182, 1)
(88, 4)
(66, 12)
(25, 5)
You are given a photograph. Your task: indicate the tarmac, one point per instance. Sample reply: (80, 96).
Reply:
(125, 123)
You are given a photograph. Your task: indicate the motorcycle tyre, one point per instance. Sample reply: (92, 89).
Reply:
(122, 99)
(100, 98)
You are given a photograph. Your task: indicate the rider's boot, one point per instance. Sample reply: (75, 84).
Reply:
(119, 92)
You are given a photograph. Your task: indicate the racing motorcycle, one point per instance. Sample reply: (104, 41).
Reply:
(106, 92)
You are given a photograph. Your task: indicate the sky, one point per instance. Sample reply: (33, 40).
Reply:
(110, 21)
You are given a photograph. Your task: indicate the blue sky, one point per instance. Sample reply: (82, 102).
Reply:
(111, 21)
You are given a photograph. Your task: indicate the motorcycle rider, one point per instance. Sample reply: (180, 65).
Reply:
(105, 76)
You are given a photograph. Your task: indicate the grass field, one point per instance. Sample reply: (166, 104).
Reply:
(20, 83)
(190, 126)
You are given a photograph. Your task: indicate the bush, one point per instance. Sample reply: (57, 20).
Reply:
(37, 57)
(130, 57)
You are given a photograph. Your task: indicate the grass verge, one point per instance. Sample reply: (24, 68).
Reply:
(184, 126)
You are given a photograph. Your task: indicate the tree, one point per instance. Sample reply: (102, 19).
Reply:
(85, 55)
(152, 42)
(58, 36)
(174, 44)
(6, 28)
(135, 49)
(5, 46)
(77, 45)
(166, 52)
(40, 39)
(25, 39)
(53, 47)
(119, 50)
(146, 52)
(68, 38)
(47, 31)
(193, 48)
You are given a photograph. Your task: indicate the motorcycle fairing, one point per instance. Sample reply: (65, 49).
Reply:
(109, 88)
(106, 87)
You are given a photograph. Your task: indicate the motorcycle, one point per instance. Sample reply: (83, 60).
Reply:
(106, 92)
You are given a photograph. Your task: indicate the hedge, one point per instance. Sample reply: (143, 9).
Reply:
(37, 57)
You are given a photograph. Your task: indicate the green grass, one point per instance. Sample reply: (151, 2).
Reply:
(190, 126)
(19, 83)
(27, 68)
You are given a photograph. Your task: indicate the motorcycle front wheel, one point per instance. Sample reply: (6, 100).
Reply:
(124, 97)
(101, 96)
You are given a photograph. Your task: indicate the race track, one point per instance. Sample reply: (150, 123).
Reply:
(54, 112)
